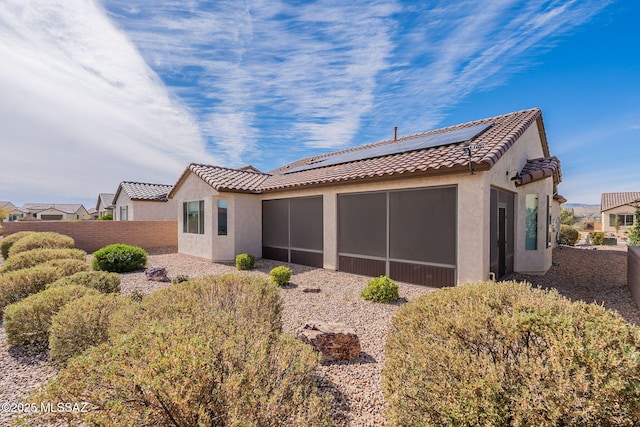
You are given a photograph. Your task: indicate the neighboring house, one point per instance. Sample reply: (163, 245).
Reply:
(93, 213)
(620, 207)
(138, 201)
(10, 211)
(104, 205)
(55, 211)
(449, 206)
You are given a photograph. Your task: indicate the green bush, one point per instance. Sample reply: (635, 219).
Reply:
(19, 284)
(38, 256)
(45, 240)
(28, 321)
(204, 353)
(381, 289)
(105, 217)
(505, 354)
(68, 266)
(596, 237)
(569, 235)
(280, 275)
(119, 258)
(8, 241)
(245, 261)
(81, 324)
(101, 281)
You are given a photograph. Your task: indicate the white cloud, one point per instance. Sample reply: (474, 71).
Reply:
(80, 109)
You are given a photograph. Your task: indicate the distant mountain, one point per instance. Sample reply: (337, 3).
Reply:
(579, 205)
(583, 209)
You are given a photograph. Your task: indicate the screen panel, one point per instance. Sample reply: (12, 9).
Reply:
(362, 224)
(306, 223)
(422, 225)
(275, 223)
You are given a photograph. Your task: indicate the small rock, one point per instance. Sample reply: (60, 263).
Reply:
(311, 290)
(157, 274)
(336, 341)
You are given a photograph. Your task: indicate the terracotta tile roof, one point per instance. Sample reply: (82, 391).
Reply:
(559, 198)
(494, 142)
(224, 179)
(537, 169)
(613, 200)
(489, 146)
(144, 191)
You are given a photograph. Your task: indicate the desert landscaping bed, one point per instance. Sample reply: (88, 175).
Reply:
(578, 273)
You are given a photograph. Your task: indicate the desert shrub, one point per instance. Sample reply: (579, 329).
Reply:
(81, 324)
(28, 321)
(596, 237)
(38, 256)
(245, 261)
(105, 217)
(45, 240)
(136, 295)
(280, 275)
(381, 289)
(8, 241)
(68, 266)
(569, 235)
(506, 354)
(19, 284)
(119, 258)
(180, 278)
(207, 353)
(101, 281)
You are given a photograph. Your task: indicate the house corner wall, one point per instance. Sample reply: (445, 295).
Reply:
(199, 245)
(246, 230)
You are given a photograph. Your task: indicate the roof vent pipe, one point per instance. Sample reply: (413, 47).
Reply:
(395, 133)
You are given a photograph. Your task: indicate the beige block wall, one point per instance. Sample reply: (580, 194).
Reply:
(141, 210)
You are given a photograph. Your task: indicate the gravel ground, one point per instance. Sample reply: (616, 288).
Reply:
(590, 275)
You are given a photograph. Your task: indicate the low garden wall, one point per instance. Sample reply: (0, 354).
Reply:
(633, 273)
(92, 235)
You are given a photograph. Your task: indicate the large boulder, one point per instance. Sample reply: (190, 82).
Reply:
(157, 274)
(336, 341)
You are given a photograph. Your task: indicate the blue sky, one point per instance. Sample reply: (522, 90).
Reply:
(97, 92)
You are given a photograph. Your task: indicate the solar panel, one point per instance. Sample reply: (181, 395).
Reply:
(413, 144)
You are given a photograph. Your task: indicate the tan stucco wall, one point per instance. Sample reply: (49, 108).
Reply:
(122, 200)
(152, 211)
(527, 147)
(620, 210)
(200, 245)
(247, 224)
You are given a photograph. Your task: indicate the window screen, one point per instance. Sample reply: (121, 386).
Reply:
(422, 225)
(275, 223)
(362, 224)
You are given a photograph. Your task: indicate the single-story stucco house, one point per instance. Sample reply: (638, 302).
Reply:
(618, 208)
(104, 205)
(10, 211)
(139, 201)
(464, 203)
(55, 211)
